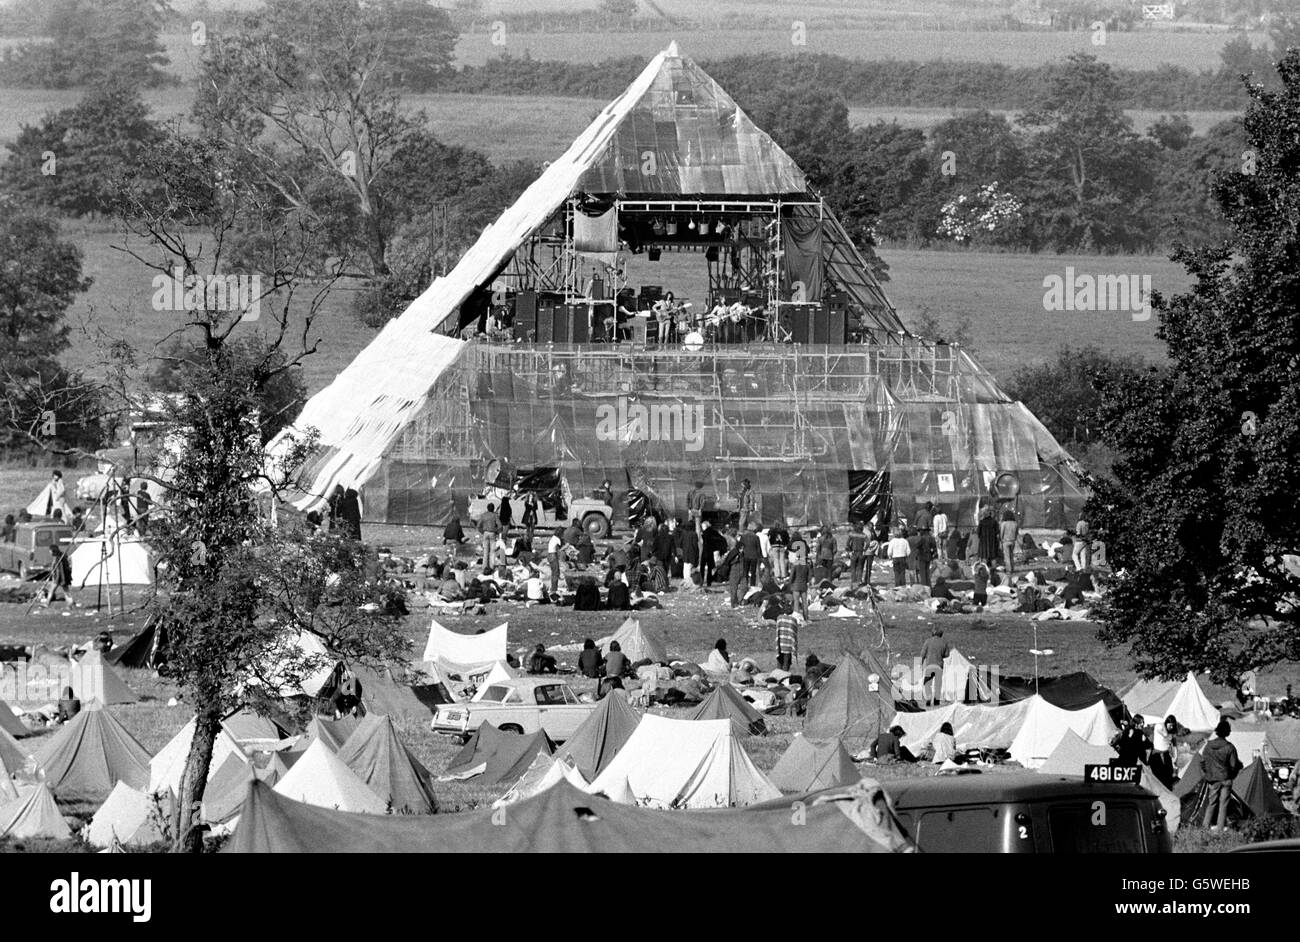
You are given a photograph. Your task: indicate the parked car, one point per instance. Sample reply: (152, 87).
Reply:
(1028, 813)
(518, 705)
(29, 555)
(555, 506)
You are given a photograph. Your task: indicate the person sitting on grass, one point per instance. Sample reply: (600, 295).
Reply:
(616, 662)
(589, 661)
(945, 745)
(540, 662)
(620, 596)
(888, 747)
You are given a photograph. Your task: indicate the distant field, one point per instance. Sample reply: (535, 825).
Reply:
(1141, 49)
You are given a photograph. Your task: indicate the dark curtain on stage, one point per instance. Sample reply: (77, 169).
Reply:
(870, 497)
(801, 238)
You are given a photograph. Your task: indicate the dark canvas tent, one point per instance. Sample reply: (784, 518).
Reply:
(809, 766)
(563, 819)
(1075, 691)
(12, 756)
(11, 724)
(503, 756)
(1255, 791)
(245, 726)
(851, 704)
(600, 737)
(145, 649)
(91, 754)
(724, 703)
(227, 788)
(381, 692)
(383, 762)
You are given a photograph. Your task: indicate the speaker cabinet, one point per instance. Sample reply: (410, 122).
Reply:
(580, 318)
(801, 329)
(820, 327)
(836, 327)
(561, 315)
(546, 322)
(525, 324)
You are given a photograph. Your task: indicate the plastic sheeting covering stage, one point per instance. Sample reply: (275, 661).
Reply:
(802, 427)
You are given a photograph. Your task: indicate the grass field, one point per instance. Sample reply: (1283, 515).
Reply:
(1140, 49)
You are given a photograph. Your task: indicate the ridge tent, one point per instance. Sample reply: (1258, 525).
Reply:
(92, 679)
(168, 767)
(959, 682)
(602, 734)
(91, 754)
(11, 724)
(724, 703)
(975, 726)
(563, 819)
(143, 649)
(1045, 725)
(1073, 691)
(1154, 700)
(1254, 789)
(131, 818)
(13, 757)
(334, 733)
(500, 671)
(465, 655)
(638, 643)
(1284, 736)
(227, 788)
(496, 756)
(33, 813)
(856, 701)
(545, 772)
(809, 766)
(320, 778)
(108, 561)
(383, 762)
(686, 764)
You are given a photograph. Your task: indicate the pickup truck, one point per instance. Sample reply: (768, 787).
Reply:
(29, 555)
(517, 705)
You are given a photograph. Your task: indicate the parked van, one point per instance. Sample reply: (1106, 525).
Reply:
(1028, 813)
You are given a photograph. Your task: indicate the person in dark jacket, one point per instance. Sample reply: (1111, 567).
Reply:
(60, 577)
(589, 660)
(925, 553)
(663, 544)
(1131, 742)
(620, 596)
(1220, 764)
(889, 747)
(690, 552)
(713, 543)
(988, 538)
(733, 563)
(540, 662)
(586, 549)
(751, 553)
(529, 520)
(616, 662)
(453, 532)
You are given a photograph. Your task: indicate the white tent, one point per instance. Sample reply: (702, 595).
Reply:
(685, 764)
(500, 671)
(465, 655)
(301, 647)
(636, 642)
(1072, 753)
(1156, 699)
(92, 679)
(976, 725)
(34, 813)
(1045, 725)
(106, 562)
(129, 817)
(49, 500)
(168, 767)
(960, 681)
(320, 778)
(545, 771)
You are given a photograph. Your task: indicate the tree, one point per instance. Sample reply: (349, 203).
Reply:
(93, 42)
(965, 154)
(73, 160)
(1202, 519)
(326, 74)
(1090, 171)
(622, 11)
(234, 593)
(1065, 394)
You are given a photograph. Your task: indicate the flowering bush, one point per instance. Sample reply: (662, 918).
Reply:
(988, 212)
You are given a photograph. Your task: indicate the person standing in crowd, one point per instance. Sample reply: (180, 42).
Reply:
(925, 550)
(980, 580)
(933, 653)
(747, 502)
(858, 541)
(506, 513)
(695, 500)
(987, 531)
(899, 551)
(787, 639)
(78, 520)
(554, 548)
(733, 562)
(778, 541)
(489, 527)
(688, 548)
(605, 492)
(529, 519)
(826, 550)
(924, 518)
(1164, 745)
(1009, 532)
(751, 554)
(453, 532)
(60, 577)
(1131, 742)
(143, 507)
(713, 545)
(571, 533)
(800, 574)
(124, 502)
(939, 530)
(662, 548)
(1082, 552)
(1220, 765)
